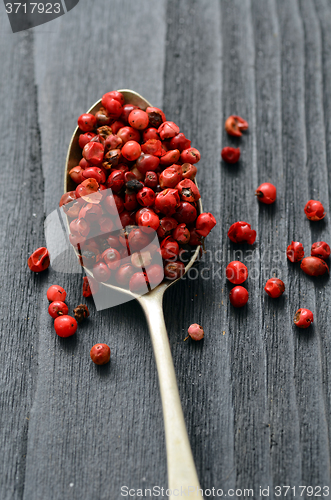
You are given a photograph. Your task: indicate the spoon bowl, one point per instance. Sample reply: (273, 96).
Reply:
(74, 155)
(181, 469)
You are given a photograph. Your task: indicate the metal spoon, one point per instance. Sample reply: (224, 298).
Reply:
(182, 473)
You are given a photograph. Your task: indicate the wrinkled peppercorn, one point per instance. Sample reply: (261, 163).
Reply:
(81, 312)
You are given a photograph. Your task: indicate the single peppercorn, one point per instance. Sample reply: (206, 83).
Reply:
(195, 331)
(124, 274)
(303, 318)
(138, 283)
(113, 106)
(314, 266)
(171, 176)
(65, 326)
(190, 155)
(266, 193)
(81, 312)
(205, 223)
(148, 219)
(128, 134)
(320, 249)
(100, 354)
(180, 142)
(156, 116)
(188, 191)
(93, 153)
(167, 130)
(85, 138)
(174, 270)
(101, 272)
(56, 292)
(138, 119)
(187, 213)
(97, 173)
(146, 197)
(151, 179)
(314, 210)
(115, 181)
(39, 260)
(274, 287)
(234, 125)
(295, 251)
(134, 185)
(236, 272)
(167, 201)
(230, 155)
(57, 308)
(169, 248)
(238, 296)
(155, 274)
(170, 158)
(181, 234)
(131, 150)
(87, 122)
(146, 163)
(241, 232)
(87, 188)
(189, 171)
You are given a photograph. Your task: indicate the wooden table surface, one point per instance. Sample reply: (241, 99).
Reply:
(256, 393)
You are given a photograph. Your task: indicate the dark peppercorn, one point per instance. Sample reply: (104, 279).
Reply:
(81, 312)
(134, 185)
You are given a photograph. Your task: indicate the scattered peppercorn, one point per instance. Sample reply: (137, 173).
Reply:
(81, 312)
(39, 260)
(234, 125)
(303, 318)
(266, 193)
(205, 223)
(230, 155)
(57, 308)
(314, 266)
(295, 251)
(314, 210)
(195, 331)
(241, 232)
(238, 296)
(100, 354)
(56, 292)
(320, 249)
(236, 272)
(274, 287)
(65, 326)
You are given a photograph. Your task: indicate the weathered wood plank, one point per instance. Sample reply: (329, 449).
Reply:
(94, 430)
(276, 314)
(323, 12)
(318, 189)
(307, 356)
(21, 208)
(246, 349)
(193, 98)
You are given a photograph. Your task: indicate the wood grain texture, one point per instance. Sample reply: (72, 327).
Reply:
(256, 392)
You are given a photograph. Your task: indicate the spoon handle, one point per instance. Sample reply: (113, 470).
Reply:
(182, 474)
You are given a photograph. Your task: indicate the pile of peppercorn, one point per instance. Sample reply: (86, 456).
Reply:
(135, 180)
